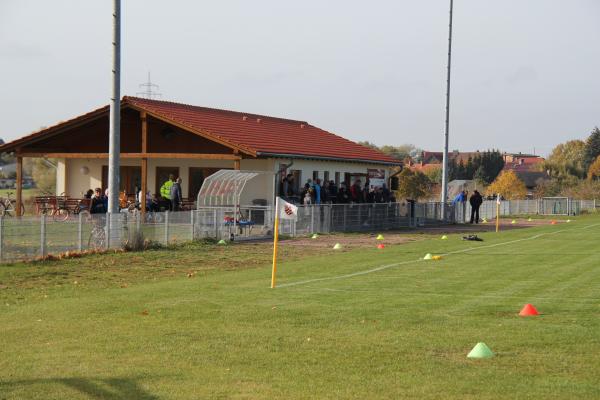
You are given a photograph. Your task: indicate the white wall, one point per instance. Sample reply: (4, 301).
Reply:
(74, 183)
(308, 166)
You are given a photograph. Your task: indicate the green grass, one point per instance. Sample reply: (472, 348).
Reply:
(135, 326)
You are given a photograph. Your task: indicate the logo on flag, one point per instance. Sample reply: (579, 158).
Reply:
(287, 210)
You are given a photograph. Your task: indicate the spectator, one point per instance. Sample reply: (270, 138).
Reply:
(165, 191)
(317, 190)
(475, 202)
(356, 192)
(343, 196)
(88, 194)
(175, 195)
(333, 191)
(98, 204)
(325, 192)
(460, 198)
(290, 186)
(307, 199)
(385, 193)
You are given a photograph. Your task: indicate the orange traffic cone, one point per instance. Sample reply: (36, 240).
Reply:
(381, 246)
(553, 222)
(528, 310)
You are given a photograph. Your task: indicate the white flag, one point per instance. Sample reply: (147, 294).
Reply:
(498, 199)
(287, 210)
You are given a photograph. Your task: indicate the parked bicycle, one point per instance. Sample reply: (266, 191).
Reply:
(8, 206)
(97, 239)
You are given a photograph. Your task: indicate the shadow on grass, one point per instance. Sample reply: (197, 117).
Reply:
(93, 388)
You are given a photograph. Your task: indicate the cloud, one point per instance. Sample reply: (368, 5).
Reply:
(521, 75)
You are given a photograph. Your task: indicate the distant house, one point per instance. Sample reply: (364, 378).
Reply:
(433, 159)
(528, 169)
(522, 162)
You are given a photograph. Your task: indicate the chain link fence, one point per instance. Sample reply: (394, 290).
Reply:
(27, 238)
(545, 206)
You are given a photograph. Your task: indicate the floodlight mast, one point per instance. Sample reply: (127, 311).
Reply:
(114, 146)
(447, 131)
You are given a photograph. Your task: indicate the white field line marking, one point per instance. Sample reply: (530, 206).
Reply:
(384, 267)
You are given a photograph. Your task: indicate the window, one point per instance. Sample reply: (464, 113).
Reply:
(315, 175)
(325, 176)
(337, 179)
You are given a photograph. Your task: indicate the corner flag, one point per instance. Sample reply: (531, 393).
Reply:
(283, 210)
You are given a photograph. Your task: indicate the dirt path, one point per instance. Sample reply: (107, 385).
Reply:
(366, 240)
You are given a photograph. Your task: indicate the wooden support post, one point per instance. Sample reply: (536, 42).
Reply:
(236, 162)
(19, 185)
(144, 118)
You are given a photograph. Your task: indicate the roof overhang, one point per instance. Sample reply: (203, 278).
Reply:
(63, 126)
(325, 158)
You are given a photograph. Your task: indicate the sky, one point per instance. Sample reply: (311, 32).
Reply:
(525, 73)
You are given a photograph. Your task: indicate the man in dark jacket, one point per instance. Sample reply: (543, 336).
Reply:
(175, 192)
(475, 202)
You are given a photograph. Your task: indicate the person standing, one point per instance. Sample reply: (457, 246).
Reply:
(317, 188)
(165, 191)
(175, 195)
(475, 202)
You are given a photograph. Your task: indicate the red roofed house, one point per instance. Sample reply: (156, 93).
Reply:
(159, 138)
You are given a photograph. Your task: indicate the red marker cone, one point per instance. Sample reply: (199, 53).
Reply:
(381, 246)
(553, 222)
(528, 310)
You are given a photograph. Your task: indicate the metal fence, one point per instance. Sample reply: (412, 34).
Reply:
(27, 238)
(546, 206)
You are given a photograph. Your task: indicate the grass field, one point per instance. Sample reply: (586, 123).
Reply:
(199, 321)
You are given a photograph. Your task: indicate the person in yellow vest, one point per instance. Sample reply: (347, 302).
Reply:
(165, 192)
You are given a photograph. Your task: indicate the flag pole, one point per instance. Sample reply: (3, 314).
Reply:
(498, 213)
(275, 239)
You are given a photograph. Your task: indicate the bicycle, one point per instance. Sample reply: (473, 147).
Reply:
(8, 206)
(66, 207)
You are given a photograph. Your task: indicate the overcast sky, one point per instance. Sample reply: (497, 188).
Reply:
(525, 73)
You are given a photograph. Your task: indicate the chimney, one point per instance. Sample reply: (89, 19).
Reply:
(258, 120)
(244, 118)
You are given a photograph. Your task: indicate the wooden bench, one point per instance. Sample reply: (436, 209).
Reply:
(46, 204)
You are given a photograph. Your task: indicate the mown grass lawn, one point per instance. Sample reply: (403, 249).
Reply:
(200, 322)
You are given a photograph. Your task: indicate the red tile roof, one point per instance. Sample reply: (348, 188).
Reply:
(252, 134)
(259, 134)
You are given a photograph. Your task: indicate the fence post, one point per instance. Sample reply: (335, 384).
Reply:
(1, 237)
(193, 223)
(167, 228)
(216, 224)
(345, 206)
(43, 235)
(108, 233)
(312, 218)
(80, 232)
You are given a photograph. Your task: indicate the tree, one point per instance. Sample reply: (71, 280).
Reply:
(401, 152)
(592, 148)
(508, 185)
(413, 185)
(567, 159)
(594, 171)
(434, 174)
(43, 173)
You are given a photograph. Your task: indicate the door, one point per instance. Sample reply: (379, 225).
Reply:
(130, 179)
(196, 179)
